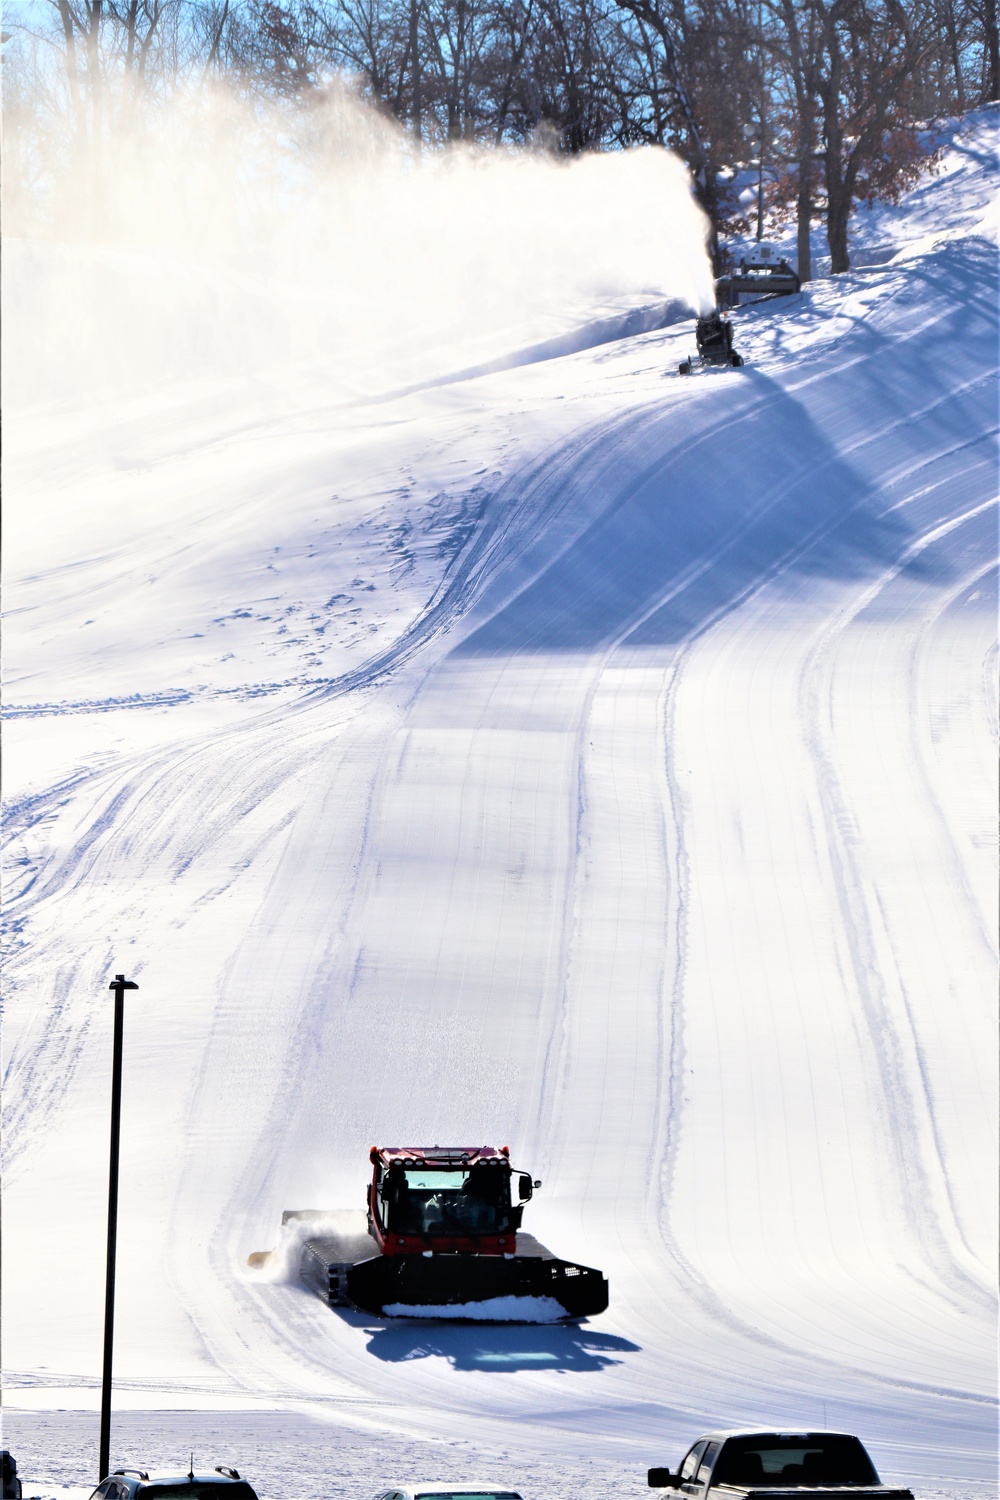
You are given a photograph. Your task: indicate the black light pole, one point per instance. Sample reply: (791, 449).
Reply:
(120, 984)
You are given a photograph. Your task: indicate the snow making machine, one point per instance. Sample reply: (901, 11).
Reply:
(442, 1238)
(714, 335)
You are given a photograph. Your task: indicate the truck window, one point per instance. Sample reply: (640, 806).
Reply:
(690, 1465)
(708, 1462)
(791, 1459)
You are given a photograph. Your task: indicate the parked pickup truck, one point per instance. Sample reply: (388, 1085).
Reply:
(777, 1466)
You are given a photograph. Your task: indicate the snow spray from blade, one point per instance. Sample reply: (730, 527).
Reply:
(282, 1265)
(207, 240)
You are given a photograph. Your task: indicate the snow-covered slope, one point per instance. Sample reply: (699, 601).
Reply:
(575, 756)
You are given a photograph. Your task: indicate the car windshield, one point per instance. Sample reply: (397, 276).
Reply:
(468, 1495)
(793, 1459)
(197, 1489)
(428, 1201)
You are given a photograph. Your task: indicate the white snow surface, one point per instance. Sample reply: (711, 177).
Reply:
(573, 756)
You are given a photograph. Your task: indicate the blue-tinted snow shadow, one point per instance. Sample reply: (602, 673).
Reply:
(500, 1348)
(791, 479)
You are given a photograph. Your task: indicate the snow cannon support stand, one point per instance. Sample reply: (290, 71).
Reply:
(714, 334)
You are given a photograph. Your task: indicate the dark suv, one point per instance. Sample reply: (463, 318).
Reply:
(136, 1484)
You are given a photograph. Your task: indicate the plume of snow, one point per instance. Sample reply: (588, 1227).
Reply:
(206, 241)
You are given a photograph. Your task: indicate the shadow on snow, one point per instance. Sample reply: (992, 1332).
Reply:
(832, 469)
(499, 1347)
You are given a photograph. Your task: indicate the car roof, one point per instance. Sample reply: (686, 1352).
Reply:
(774, 1432)
(171, 1476)
(446, 1487)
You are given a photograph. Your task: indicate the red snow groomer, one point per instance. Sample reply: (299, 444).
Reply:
(443, 1239)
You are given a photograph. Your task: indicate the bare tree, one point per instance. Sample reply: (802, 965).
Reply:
(870, 52)
(796, 40)
(707, 86)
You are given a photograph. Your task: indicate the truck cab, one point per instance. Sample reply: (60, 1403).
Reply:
(778, 1464)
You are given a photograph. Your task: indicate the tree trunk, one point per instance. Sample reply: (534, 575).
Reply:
(511, 72)
(66, 17)
(992, 50)
(455, 123)
(94, 85)
(131, 22)
(956, 61)
(807, 175)
(415, 56)
(216, 40)
(804, 218)
(838, 191)
(838, 213)
(94, 10)
(707, 190)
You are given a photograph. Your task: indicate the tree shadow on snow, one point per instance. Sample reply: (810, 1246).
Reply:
(831, 469)
(498, 1347)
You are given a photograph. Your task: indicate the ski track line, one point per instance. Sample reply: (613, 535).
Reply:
(364, 857)
(860, 445)
(623, 634)
(858, 928)
(629, 831)
(565, 460)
